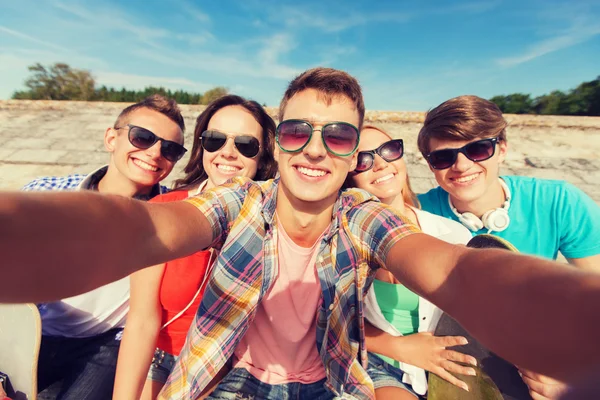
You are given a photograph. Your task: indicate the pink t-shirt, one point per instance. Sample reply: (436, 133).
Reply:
(280, 345)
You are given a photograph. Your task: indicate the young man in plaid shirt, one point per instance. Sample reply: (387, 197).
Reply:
(300, 243)
(81, 334)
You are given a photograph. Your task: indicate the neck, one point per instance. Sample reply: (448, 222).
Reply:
(114, 183)
(304, 222)
(493, 198)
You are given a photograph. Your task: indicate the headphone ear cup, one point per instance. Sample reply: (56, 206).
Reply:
(471, 221)
(496, 220)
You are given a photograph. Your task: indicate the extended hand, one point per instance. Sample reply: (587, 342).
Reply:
(429, 352)
(542, 387)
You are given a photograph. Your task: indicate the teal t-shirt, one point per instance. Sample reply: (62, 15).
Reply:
(546, 216)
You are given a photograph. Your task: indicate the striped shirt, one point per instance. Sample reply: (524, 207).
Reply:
(242, 215)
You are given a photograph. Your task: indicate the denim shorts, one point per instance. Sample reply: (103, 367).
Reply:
(161, 367)
(385, 375)
(239, 384)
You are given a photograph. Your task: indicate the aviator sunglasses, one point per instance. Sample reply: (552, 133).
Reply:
(143, 139)
(480, 150)
(247, 145)
(390, 151)
(339, 138)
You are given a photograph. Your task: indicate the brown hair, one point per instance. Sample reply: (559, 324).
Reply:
(462, 118)
(158, 103)
(329, 83)
(267, 167)
(408, 195)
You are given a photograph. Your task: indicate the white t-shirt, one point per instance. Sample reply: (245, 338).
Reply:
(88, 314)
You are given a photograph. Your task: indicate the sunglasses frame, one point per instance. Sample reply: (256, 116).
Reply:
(378, 152)
(156, 139)
(312, 129)
(227, 137)
(455, 152)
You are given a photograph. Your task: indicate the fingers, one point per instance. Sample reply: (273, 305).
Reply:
(449, 341)
(459, 357)
(442, 373)
(538, 377)
(457, 368)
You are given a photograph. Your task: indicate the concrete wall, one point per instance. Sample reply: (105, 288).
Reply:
(42, 138)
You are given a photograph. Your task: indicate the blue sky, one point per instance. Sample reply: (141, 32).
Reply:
(408, 55)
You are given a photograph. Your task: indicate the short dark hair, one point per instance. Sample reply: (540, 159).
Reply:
(158, 103)
(267, 167)
(462, 118)
(330, 83)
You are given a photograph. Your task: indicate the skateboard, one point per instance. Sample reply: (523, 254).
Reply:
(20, 338)
(496, 378)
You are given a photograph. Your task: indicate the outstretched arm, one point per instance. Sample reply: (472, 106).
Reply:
(55, 245)
(521, 307)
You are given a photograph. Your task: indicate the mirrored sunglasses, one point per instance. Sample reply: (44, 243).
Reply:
(339, 138)
(389, 151)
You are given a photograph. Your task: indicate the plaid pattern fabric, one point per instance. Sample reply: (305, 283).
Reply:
(242, 216)
(82, 182)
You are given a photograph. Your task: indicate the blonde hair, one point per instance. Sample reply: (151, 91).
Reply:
(408, 195)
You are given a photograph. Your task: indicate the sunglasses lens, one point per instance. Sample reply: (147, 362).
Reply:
(442, 159)
(480, 150)
(364, 161)
(141, 138)
(392, 150)
(172, 151)
(248, 146)
(213, 141)
(340, 139)
(293, 135)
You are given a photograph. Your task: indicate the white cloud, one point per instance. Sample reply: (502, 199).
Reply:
(575, 35)
(31, 39)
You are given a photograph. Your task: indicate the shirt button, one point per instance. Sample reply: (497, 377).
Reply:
(320, 259)
(331, 307)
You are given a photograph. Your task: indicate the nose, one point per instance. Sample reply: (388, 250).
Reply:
(154, 151)
(229, 150)
(462, 163)
(315, 148)
(379, 163)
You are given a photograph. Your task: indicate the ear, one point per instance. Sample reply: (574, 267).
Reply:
(110, 138)
(503, 149)
(354, 161)
(276, 153)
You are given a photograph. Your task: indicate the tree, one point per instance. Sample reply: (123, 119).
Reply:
(58, 82)
(516, 103)
(214, 94)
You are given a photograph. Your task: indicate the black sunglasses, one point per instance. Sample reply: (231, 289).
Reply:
(339, 138)
(390, 151)
(480, 150)
(247, 145)
(142, 138)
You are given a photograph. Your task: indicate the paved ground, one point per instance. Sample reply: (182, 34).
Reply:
(58, 138)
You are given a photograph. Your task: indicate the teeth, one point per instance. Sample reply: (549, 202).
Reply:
(384, 178)
(228, 168)
(144, 165)
(311, 172)
(465, 179)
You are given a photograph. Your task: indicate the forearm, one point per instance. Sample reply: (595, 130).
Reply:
(520, 307)
(135, 356)
(55, 245)
(381, 342)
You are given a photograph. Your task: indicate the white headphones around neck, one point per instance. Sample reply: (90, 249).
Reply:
(495, 220)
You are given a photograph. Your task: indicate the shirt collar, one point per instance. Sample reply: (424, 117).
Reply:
(91, 181)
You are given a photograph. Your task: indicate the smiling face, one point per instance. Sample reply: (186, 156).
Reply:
(470, 184)
(227, 162)
(313, 174)
(386, 179)
(142, 168)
